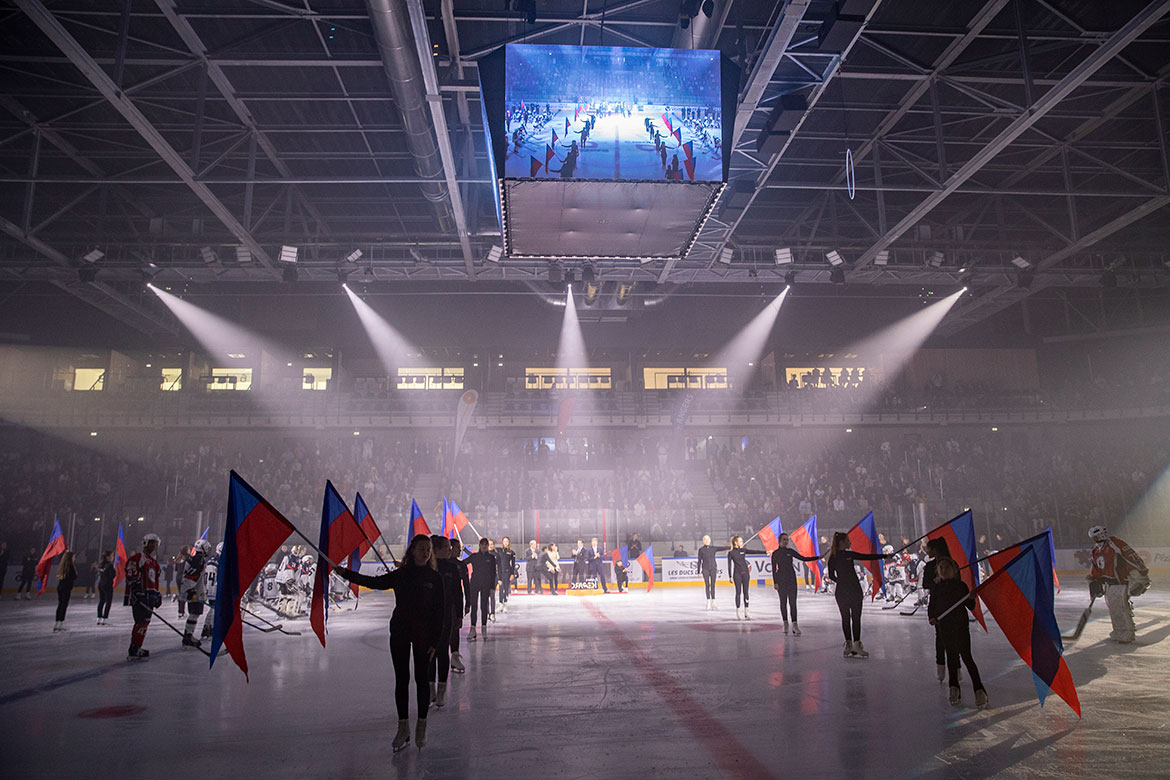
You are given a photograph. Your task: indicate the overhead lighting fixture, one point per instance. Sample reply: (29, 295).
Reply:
(417, 256)
(837, 276)
(784, 256)
(726, 255)
(1021, 263)
(342, 276)
(936, 259)
(1109, 278)
(790, 278)
(556, 273)
(93, 256)
(237, 355)
(288, 254)
(289, 274)
(834, 258)
(354, 256)
(882, 257)
(495, 253)
(588, 274)
(87, 274)
(208, 255)
(243, 255)
(1025, 279)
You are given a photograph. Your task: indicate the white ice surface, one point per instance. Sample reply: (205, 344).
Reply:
(638, 685)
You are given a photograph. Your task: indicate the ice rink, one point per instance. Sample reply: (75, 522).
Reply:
(641, 685)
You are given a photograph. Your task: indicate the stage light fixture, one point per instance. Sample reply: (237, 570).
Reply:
(790, 278)
(342, 277)
(93, 256)
(495, 253)
(1025, 279)
(588, 274)
(290, 274)
(727, 255)
(753, 273)
(882, 258)
(556, 273)
(784, 256)
(243, 255)
(834, 258)
(209, 256)
(936, 259)
(837, 276)
(1109, 278)
(354, 256)
(1021, 263)
(288, 254)
(87, 274)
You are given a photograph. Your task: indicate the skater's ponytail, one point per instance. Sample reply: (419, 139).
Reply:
(840, 539)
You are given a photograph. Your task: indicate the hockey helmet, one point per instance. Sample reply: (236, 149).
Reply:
(270, 568)
(306, 559)
(1099, 533)
(888, 549)
(151, 538)
(202, 546)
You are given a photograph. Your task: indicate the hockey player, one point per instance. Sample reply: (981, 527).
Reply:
(142, 594)
(895, 575)
(210, 573)
(191, 590)
(1118, 573)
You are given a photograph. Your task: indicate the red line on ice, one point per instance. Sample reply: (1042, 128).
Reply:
(732, 757)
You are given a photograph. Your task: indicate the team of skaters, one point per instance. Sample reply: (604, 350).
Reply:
(434, 590)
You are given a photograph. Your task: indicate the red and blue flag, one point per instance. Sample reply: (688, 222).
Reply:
(646, 561)
(340, 536)
(770, 534)
(959, 534)
(620, 555)
(804, 541)
(55, 547)
(1045, 551)
(458, 520)
(534, 166)
(669, 125)
(554, 138)
(120, 559)
(566, 125)
(255, 530)
(1020, 598)
(863, 538)
(417, 524)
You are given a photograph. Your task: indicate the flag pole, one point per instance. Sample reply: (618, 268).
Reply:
(928, 533)
(973, 594)
(297, 531)
(375, 549)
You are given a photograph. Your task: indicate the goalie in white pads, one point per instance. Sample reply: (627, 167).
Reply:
(1118, 572)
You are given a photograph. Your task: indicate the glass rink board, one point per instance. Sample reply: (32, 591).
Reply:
(612, 113)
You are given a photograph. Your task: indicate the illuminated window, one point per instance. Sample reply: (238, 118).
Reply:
(567, 379)
(827, 376)
(685, 378)
(172, 379)
(230, 379)
(316, 378)
(89, 378)
(430, 378)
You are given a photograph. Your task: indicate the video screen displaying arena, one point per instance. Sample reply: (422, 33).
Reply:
(604, 112)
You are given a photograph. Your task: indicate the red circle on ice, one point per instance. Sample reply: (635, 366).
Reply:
(116, 711)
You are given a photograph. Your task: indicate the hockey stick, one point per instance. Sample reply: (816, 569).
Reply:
(1081, 622)
(272, 626)
(896, 603)
(166, 623)
(911, 612)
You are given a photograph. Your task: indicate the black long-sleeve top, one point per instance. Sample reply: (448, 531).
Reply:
(70, 577)
(106, 574)
(505, 563)
(483, 569)
(706, 555)
(782, 571)
(841, 569)
(946, 594)
(418, 600)
(456, 586)
(28, 567)
(930, 575)
(737, 559)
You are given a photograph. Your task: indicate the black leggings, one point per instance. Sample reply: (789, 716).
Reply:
(505, 589)
(63, 594)
(742, 581)
(400, 651)
(850, 606)
(940, 651)
(787, 601)
(709, 583)
(551, 577)
(480, 596)
(105, 598)
(24, 587)
(441, 663)
(958, 648)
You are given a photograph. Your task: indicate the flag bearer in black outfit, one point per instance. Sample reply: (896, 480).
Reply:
(784, 579)
(948, 591)
(483, 581)
(848, 591)
(740, 571)
(709, 570)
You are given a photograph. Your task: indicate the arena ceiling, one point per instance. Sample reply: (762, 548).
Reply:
(178, 137)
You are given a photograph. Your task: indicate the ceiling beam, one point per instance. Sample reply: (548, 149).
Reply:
(56, 32)
(1141, 22)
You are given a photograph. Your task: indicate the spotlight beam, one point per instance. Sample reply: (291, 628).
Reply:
(742, 354)
(391, 346)
(571, 348)
(216, 335)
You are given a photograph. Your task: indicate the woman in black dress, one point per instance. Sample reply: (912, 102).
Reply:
(848, 591)
(415, 627)
(66, 576)
(740, 571)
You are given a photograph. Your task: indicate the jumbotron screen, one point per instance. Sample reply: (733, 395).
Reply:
(611, 113)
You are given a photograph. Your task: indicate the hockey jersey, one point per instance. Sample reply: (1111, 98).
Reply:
(1114, 560)
(193, 576)
(142, 572)
(207, 580)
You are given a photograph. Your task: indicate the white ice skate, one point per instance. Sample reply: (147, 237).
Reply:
(738, 613)
(420, 732)
(849, 649)
(859, 651)
(402, 738)
(747, 615)
(795, 628)
(785, 626)
(471, 635)
(457, 663)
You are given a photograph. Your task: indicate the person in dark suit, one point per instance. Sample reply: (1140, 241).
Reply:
(551, 567)
(595, 562)
(532, 567)
(579, 564)
(635, 547)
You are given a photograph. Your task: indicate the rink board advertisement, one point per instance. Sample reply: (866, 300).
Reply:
(687, 569)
